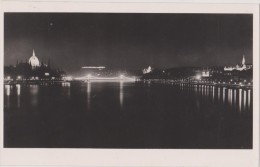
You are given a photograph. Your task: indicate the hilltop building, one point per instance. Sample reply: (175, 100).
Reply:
(241, 67)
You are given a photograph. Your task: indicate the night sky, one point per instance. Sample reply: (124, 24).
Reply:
(128, 41)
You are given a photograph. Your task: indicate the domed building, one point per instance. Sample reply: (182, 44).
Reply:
(34, 61)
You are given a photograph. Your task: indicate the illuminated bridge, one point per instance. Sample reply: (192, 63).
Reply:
(95, 78)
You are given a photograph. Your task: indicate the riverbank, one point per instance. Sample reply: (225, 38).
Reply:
(248, 85)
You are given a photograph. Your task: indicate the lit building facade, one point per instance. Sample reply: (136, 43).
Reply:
(32, 70)
(240, 67)
(34, 61)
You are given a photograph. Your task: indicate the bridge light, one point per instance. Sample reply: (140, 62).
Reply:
(89, 76)
(68, 78)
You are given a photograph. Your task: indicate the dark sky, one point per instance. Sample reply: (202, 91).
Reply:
(128, 41)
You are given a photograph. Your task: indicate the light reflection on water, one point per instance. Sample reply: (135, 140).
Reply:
(232, 97)
(248, 96)
(213, 92)
(34, 91)
(121, 94)
(240, 99)
(88, 94)
(18, 87)
(7, 93)
(218, 93)
(224, 94)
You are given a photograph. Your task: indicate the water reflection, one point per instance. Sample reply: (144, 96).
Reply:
(230, 97)
(66, 85)
(240, 99)
(7, 90)
(224, 94)
(213, 92)
(18, 87)
(218, 93)
(244, 95)
(249, 95)
(236, 99)
(34, 90)
(88, 94)
(121, 94)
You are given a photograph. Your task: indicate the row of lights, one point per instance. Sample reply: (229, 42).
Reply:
(32, 78)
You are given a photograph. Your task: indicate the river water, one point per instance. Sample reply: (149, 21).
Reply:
(127, 115)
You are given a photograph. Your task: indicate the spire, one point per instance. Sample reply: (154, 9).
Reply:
(243, 60)
(33, 53)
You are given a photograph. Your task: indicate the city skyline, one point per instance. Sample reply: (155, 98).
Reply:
(128, 41)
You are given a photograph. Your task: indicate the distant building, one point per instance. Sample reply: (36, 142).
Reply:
(34, 61)
(241, 67)
(32, 70)
(147, 70)
(205, 74)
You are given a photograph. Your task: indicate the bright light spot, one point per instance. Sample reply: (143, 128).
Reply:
(89, 75)
(8, 77)
(46, 74)
(18, 89)
(7, 90)
(147, 70)
(198, 77)
(244, 80)
(19, 77)
(94, 67)
(36, 78)
(68, 78)
(52, 77)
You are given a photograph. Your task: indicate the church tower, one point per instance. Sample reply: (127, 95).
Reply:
(243, 61)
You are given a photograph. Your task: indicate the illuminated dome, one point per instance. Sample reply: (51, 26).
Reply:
(34, 61)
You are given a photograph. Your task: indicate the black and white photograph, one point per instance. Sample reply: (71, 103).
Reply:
(109, 80)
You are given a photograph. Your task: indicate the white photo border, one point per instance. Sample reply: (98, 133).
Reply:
(134, 157)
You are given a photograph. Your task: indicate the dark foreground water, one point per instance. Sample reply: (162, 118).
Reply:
(127, 115)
